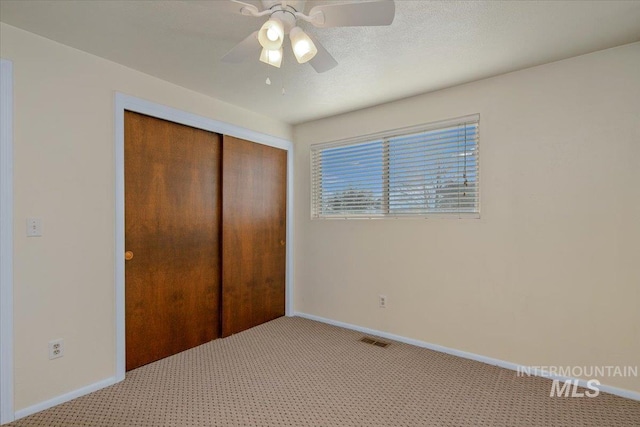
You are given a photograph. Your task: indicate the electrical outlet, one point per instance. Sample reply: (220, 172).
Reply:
(34, 227)
(56, 349)
(382, 301)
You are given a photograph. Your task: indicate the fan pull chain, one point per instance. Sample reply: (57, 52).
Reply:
(283, 90)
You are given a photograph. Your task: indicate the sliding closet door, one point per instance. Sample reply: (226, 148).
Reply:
(254, 197)
(172, 237)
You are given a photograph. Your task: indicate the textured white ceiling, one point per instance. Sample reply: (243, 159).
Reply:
(429, 46)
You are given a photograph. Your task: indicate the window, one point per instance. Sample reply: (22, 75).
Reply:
(426, 171)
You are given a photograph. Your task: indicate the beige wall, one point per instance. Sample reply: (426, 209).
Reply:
(64, 173)
(550, 274)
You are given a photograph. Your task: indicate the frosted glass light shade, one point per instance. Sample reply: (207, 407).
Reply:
(271, 34)
(271, 57)
(303, 47)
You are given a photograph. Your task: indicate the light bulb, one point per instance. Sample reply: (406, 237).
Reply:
(272, 34)
(274, 55)
(301, 48)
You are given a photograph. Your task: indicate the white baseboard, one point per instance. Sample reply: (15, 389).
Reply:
(64, 398)
(629, 394)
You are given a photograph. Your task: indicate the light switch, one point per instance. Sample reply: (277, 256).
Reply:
(34, 227)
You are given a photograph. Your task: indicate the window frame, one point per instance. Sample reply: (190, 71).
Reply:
(385, 136)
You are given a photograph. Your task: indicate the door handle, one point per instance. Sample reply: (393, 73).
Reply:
(281, 242)
(128, 256)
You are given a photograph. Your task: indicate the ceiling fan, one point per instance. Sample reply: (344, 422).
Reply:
(283, 17)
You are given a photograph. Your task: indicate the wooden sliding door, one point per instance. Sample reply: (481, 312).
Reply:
(172, 235)
(254, 200)
(205, 233)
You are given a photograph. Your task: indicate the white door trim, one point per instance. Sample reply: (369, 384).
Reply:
(125, 102)
(6, 241)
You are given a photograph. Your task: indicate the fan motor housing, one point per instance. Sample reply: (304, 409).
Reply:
(284, 11)
(297, 5)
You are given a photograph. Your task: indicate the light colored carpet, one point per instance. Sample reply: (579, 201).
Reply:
(296, 372)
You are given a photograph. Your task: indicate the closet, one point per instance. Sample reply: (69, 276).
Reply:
(205, 233)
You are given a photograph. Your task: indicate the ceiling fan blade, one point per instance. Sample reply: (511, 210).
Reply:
(366, 13)
(247, 48)
(253, 6)
(323, 61)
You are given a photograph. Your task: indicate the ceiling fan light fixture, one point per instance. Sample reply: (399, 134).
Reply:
(282, 17)
(272, 57)
(303, 47)
(271, 34)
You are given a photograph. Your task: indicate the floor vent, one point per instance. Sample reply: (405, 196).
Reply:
(371, 341)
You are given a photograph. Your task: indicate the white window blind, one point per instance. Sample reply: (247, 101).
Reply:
(418, 172)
